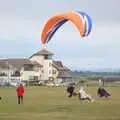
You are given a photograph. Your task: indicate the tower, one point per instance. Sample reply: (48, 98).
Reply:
(44, 57)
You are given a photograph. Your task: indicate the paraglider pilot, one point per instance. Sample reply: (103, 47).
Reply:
(102, 92)
(83, 95)
(70, 90)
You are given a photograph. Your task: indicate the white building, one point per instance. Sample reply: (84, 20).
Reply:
(39, 67)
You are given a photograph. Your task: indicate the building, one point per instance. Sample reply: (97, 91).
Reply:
(38, 67)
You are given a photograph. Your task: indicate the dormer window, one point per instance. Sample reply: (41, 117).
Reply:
(54, 72)
(47, 57)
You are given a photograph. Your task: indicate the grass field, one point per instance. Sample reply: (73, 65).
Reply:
(52, 103)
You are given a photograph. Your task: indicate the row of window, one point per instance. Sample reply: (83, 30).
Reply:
(16, 73)
(30, 68)
(50, 71)
(33, 68)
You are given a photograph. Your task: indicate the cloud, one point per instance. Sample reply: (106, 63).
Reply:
(14, 26)
(21, 23)
(91, 63)
(100, 49)
(103, 10)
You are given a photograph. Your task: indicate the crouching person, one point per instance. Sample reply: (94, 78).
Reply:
(84, 96)
(20, 93)
(71, 89)
(102, 92)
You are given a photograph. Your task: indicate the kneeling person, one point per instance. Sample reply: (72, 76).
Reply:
(84, 96)
(102, 92)
(70, 90)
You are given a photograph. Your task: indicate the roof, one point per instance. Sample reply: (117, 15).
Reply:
(43, 51)
(36, 63)
(3, 64)
(64, 74)
(17, 63)
(59, 66)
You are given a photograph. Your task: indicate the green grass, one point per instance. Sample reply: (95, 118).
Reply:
(52, 103)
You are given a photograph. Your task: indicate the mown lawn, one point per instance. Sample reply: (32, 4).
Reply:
(52, 103)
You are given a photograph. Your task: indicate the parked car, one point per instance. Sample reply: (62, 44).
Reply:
(40, 83)
(50, 84)
(4, 83)
(16, 83)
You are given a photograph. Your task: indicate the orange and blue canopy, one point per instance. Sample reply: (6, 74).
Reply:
(81, 20)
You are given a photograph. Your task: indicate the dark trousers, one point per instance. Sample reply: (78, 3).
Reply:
(20, 99)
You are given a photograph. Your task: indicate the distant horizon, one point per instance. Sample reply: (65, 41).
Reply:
(98, 70)
(117, 69)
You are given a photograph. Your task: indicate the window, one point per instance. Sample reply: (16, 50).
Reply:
(42, 71)
(3, 74)
(48, 57)
(28, 67)
(49, 71)
(54, 71)
(50, 64)
(16, 73)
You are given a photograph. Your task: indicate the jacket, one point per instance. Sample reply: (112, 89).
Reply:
(20, 91)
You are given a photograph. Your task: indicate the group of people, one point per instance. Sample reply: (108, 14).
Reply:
(83, 95)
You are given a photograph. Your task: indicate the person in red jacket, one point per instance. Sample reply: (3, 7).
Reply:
(20, 93)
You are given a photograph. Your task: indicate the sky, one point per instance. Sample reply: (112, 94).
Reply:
(22, 21)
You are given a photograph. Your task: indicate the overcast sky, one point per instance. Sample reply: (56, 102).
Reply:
(21, 23)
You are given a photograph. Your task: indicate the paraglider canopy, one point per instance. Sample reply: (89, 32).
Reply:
(80, 19)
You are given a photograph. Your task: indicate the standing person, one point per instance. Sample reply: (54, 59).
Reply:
(99, 82)
(20, 93)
